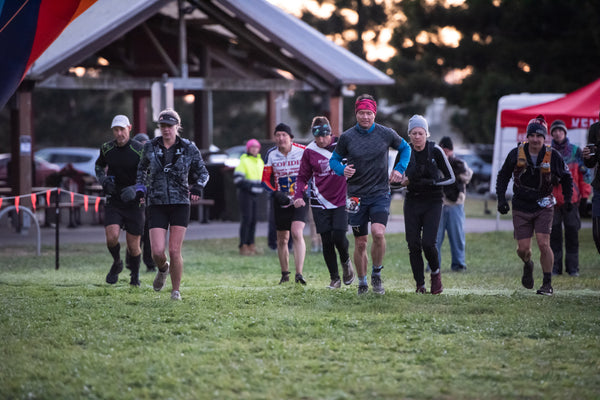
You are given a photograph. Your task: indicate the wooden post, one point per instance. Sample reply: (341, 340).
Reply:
(336, 109)
(140, 113)
(271, 114)
(203, 119)
(21, 139)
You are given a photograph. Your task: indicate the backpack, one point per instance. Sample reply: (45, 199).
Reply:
(545, 185)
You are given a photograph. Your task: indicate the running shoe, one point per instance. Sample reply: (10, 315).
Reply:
(335, 284)
(377, 284)
(363, 289)
(300, 279)
(285, 277)
(348, 272)
(175, 295)
(546, 290)
(113, 275)
(527, 279)
(161, 278)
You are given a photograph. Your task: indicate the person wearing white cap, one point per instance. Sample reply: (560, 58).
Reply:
(116, 169)
(427, 173)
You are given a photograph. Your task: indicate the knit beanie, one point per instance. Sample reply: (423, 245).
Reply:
(284, 128)
(252, 142)
(558, 124)
(418, 121)
(446, 143)
(537, 125)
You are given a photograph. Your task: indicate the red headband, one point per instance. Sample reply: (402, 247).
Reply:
(365, 104)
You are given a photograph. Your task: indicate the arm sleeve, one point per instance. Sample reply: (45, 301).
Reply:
(445, 168)
(505, 174)
(404, 152)
(268, 175)
(239, 176)
(335, 162)
(304, 175)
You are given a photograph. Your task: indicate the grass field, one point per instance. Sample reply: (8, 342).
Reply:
(238, 335)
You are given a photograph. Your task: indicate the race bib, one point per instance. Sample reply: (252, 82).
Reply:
(352, 204)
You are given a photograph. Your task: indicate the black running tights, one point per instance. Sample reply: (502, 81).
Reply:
(331, 240)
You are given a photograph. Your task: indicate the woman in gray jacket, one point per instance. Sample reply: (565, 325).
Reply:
(170, 172)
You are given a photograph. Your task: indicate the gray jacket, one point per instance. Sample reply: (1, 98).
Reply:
(170, 183)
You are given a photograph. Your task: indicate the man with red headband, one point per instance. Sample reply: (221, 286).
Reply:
(365, 147)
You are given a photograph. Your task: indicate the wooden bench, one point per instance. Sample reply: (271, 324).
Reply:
(203, 208)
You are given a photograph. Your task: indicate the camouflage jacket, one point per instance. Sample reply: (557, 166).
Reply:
(168, 183)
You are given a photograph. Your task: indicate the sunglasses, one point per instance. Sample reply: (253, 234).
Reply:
(321, 130)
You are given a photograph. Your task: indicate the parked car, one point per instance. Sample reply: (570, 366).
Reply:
(43, 169)
(482, 171)
(82, 158)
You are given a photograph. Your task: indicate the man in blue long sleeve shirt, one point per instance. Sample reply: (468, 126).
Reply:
(365, 147)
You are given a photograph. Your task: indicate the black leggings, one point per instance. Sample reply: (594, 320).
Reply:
(331, 240)
(421, 222)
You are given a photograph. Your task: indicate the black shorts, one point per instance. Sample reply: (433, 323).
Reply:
(130, 218)
(162, 216)
(333, 219)
(285, 216)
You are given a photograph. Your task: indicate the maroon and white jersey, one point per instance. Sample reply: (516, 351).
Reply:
(327, 189)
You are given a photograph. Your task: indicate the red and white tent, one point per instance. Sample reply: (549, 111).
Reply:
(578, 110)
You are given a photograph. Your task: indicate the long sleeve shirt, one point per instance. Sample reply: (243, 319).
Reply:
(367, 150)
(529, 188)
(328, 190)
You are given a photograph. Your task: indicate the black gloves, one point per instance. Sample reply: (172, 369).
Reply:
(140, 191)
(568, 206)
(196, 190)
(128, 194)
(503, 207)
(281, 198)
(108, 184)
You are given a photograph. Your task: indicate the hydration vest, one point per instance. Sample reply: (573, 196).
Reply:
(545, 182)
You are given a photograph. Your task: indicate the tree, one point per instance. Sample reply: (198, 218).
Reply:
(506, 46)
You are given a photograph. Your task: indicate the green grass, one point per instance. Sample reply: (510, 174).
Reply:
(238, 335)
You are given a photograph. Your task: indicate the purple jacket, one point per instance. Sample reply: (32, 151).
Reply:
(327, 189)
